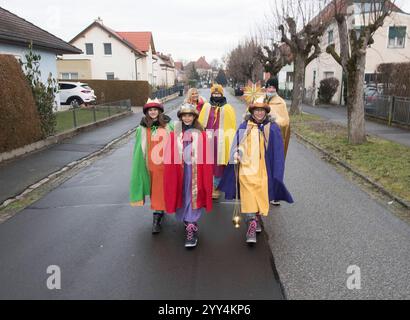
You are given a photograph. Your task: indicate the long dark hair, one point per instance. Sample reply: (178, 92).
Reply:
(162, 120)
(197, 125)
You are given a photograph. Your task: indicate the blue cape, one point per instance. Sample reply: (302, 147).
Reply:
(275, 165)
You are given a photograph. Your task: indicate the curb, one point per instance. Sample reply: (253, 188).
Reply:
(67, 167)
(380, 188)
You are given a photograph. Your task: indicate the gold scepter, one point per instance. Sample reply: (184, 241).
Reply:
(236, 219)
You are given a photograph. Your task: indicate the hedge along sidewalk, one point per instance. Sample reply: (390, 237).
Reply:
(382, 163)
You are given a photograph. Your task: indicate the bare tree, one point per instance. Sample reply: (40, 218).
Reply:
(216, 64)
(271, 52)
(274, 57)
(301, 29)
(243, 63)
(355, 37)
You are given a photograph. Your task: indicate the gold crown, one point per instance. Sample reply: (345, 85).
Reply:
(217, 88)
(187, 108)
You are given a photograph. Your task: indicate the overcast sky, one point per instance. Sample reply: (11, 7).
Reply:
(187, 29)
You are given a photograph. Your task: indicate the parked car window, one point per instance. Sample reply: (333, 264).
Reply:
(107, 49)
(66, 86)
(89, 48)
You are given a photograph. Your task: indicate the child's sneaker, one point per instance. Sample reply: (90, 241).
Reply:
(156, 223)
(191, 235)
(251, 234)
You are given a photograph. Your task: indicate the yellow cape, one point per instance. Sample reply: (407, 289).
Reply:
(226, 131)
(280, 111)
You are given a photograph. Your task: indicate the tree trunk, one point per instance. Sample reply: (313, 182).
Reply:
(298, 83)
(355, 102)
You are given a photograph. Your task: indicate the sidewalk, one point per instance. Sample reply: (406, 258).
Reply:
(18, 175)
(338, 114)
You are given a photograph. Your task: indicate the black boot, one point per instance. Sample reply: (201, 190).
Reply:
(156, 224)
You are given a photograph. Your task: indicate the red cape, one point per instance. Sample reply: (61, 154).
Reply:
(174, 174)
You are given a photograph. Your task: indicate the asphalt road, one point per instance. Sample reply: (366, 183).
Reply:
(105, 249)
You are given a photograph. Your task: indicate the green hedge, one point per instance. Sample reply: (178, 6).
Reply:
(19, 120)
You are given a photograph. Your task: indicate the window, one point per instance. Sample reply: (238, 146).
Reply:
(107, 49)
(69, 76)
(370, 77)
(66, 86)
(110, 76)
(397, 37)
(366, 7)
(314, 78)
(329, 74)
(289, 76)
(89, 49)
(330, 37)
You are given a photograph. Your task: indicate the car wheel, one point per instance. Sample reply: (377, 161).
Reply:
(75, 102)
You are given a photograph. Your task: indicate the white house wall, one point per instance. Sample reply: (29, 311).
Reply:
(48, 62)
(122, 62)
(283, 85)
(378, 53)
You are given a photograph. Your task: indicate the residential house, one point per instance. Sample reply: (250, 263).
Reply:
(390, 45)
(285, 78)
(16, 34)
(165, 70)
(203, 68)
(111, 55)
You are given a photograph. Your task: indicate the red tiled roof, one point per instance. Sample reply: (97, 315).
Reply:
(179, 65)
(202, 64)
(141, 40)
(112, 33)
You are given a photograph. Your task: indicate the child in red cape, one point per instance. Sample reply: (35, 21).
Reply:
(188, 172)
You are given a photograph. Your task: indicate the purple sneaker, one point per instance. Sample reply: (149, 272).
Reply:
(191, 236)
(251, 234)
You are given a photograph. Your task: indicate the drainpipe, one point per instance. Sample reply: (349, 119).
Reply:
(152, 75)
(136, 67)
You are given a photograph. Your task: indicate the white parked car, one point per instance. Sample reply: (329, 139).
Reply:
(75, 92)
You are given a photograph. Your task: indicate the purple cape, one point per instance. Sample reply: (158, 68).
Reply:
(275, 166)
